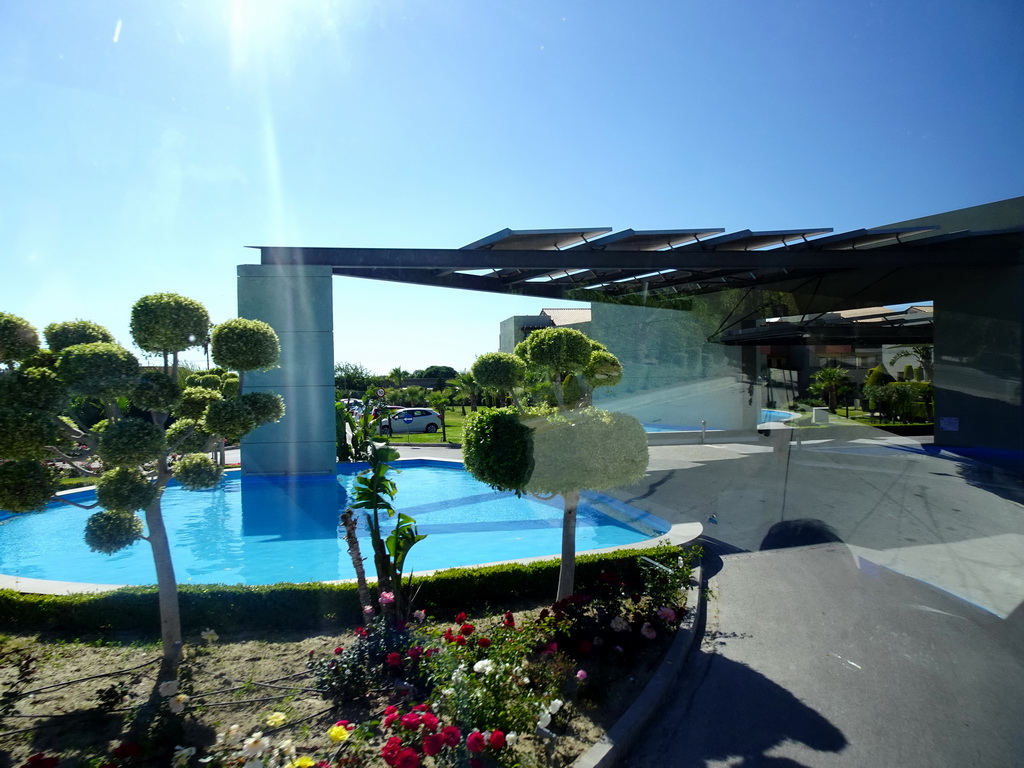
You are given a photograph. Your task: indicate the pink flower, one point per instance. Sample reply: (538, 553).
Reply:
(420, 616)
(581, 675)
(475, 742)
(666, 614)
(451, 735)
(497, 740)
(648, 631)
(386, 598)
(368, 610)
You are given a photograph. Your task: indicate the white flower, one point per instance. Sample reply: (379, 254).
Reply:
(168, 688)
(177, 703)
(420, 616)
(555, 706)
(511, 738)
(255, 745)
(545, 720)
(619, 624)
(231, 736)
(182, 755)
(287, 748)
(484, 667)
(209, 635)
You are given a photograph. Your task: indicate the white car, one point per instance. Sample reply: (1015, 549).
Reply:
(410, 420)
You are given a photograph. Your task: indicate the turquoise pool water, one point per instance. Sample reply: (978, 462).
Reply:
(766, 415)
(269, 530)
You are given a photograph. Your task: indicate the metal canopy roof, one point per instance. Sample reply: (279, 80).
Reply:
(593, 264)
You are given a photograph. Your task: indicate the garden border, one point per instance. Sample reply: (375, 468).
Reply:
(615, 743)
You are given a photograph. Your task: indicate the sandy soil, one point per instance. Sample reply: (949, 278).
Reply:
(235, 680)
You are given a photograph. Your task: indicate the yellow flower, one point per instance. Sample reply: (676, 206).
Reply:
(338, 733)
(275, 719)
(302, 762)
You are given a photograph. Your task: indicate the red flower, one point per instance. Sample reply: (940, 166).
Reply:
(484, 642)
(411, 721)
(476, 762)
(339, 649)
(407, 758)
(394, 659)
(510, 620)
(390, 709)
(430, 722)
(460, 640)
(549, 648)
(460, 618)
(432, 743)
(361, 632)
(126, 750)
(415, 652)
(467, 629)
(475, 742)
(448, 635)
(390, 718)
(390, 750)
(40, 760)
(451, 735)
(420, 708)
(497, 740)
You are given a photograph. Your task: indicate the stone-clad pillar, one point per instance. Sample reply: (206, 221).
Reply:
(297, 303)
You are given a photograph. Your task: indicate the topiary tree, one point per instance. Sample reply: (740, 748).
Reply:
(548, 451)
(245, 345)
(167, 323)
(136, 455)
(500, 371)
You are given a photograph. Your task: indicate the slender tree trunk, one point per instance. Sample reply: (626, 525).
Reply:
(349, 522)
(567, 572)
(167, 587)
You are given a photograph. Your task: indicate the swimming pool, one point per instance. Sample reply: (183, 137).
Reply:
(285, 529)
(766, 415)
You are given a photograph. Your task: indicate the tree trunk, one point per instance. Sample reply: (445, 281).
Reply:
(349, 522)
(167, 587)
(567, 572)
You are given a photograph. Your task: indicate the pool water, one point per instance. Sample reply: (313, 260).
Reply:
(766, 415)
(285, 529)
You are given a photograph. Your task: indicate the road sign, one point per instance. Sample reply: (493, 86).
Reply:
(380, 393)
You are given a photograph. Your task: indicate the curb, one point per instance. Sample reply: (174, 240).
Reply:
(611, 747)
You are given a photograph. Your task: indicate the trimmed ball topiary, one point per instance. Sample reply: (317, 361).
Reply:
(156, 391)
(168, 322)
(187, 436)
(210, 381)
(130, 442)
(60, 336)
(125, 489)
(109, 531)
(196, 472)
(498, 449)
(245, 345)
(26, 486)
(229, 418)
(99, 369)
(267, 407)
(18, 338)
(25, 433)
(194, 401)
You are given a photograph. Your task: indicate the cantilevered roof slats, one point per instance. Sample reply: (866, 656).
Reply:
(858, 238)
(535, 239)
(647, 240)
(746, 240)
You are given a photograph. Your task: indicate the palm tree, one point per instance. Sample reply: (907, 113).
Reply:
(397, 376)
(832, 382)
(440, 399)
(923, 353)
(467, 388)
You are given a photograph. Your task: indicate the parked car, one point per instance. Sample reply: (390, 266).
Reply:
(410, 420)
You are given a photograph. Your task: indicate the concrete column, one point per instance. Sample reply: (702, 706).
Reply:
(297, 302)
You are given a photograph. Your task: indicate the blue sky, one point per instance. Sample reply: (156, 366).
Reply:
(144, 145)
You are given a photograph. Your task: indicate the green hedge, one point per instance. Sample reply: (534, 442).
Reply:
(231, 608)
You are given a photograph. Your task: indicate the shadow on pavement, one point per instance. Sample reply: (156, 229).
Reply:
(799, 533)
(746, 717)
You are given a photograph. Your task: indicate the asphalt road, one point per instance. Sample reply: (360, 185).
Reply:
(867, 607)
